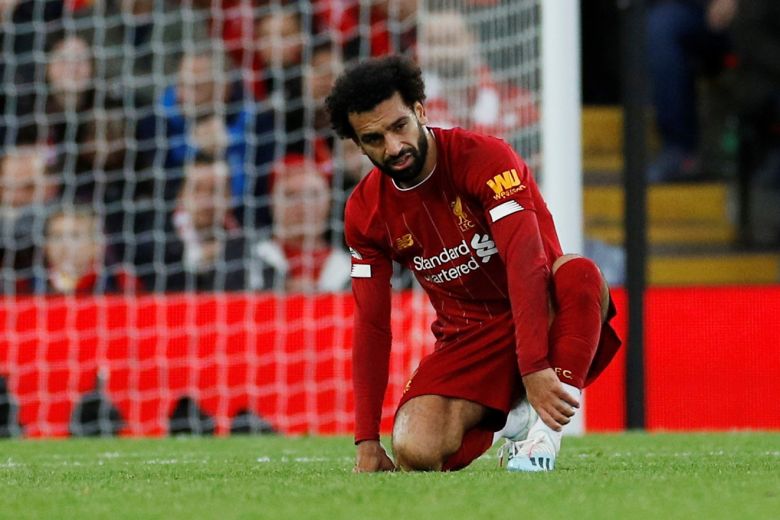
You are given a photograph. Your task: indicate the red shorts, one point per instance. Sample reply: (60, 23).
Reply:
(609, 343)
(483, 369)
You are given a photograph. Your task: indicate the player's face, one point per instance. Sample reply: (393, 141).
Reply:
(393, 137)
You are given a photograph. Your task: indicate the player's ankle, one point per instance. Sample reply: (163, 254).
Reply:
(554, 436)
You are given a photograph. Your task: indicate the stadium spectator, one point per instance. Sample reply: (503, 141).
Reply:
(391, 29)
(103, 164)
(282, 28)
(259, 35)
(281, 35)
(140, 45)
(75, 257)
(205, 248)
(206, 112)
(232, 22)
(297, 257)
(89, 134)
(307, 129)
(461, 89)
(684, 38)
(27, 193)
(273, 47)
(69, 77)
(349, 164)
(463, 212)
(110, 176)
(319, 75)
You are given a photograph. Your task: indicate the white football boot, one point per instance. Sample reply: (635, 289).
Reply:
(536, 453)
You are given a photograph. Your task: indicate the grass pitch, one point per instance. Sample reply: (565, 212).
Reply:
(598, 476)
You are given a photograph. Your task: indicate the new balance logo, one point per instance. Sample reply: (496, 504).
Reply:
(404, 242)
(484, 247)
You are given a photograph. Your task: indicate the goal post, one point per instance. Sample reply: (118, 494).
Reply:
(102, 130)
(561, 120)
(561, 133)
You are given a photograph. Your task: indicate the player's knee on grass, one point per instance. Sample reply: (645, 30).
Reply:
(418, 453)
(427, 430)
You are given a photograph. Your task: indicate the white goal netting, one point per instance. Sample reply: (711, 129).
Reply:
(171, 201)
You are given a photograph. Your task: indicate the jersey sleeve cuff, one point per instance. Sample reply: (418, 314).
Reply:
(361, 438)
(535, 367)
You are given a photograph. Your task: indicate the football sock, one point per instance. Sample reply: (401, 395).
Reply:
(576, 327)
(497, 436)
(475, 442)
(514, 424)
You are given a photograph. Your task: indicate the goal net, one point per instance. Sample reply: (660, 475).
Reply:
(171, 202)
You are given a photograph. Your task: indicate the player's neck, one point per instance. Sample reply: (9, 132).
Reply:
(428, 165)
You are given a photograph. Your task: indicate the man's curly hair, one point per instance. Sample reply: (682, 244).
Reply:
(365, 85)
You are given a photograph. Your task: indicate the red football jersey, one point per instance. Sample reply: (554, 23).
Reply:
(477, 235)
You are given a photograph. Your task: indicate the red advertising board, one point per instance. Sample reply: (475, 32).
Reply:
(712, 359)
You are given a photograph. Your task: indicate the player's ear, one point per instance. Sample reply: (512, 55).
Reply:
(419, 110)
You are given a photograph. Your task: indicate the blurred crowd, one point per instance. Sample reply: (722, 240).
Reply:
(160, 145)
(734, 41)
(715, 78)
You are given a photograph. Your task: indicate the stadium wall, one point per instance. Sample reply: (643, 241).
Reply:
(712, 359)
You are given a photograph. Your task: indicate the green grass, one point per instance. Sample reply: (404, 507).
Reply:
(598, 476)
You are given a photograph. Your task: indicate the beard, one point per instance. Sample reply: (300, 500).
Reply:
(418, 160)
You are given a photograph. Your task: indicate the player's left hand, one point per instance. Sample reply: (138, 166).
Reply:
(372, 457)
(553, 404)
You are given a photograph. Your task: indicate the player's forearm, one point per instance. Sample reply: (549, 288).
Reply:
(528, 276)
(371, 361)
(370, 355)
(530, 313)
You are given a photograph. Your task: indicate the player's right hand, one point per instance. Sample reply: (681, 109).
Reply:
(553, 404)
(371, 457)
